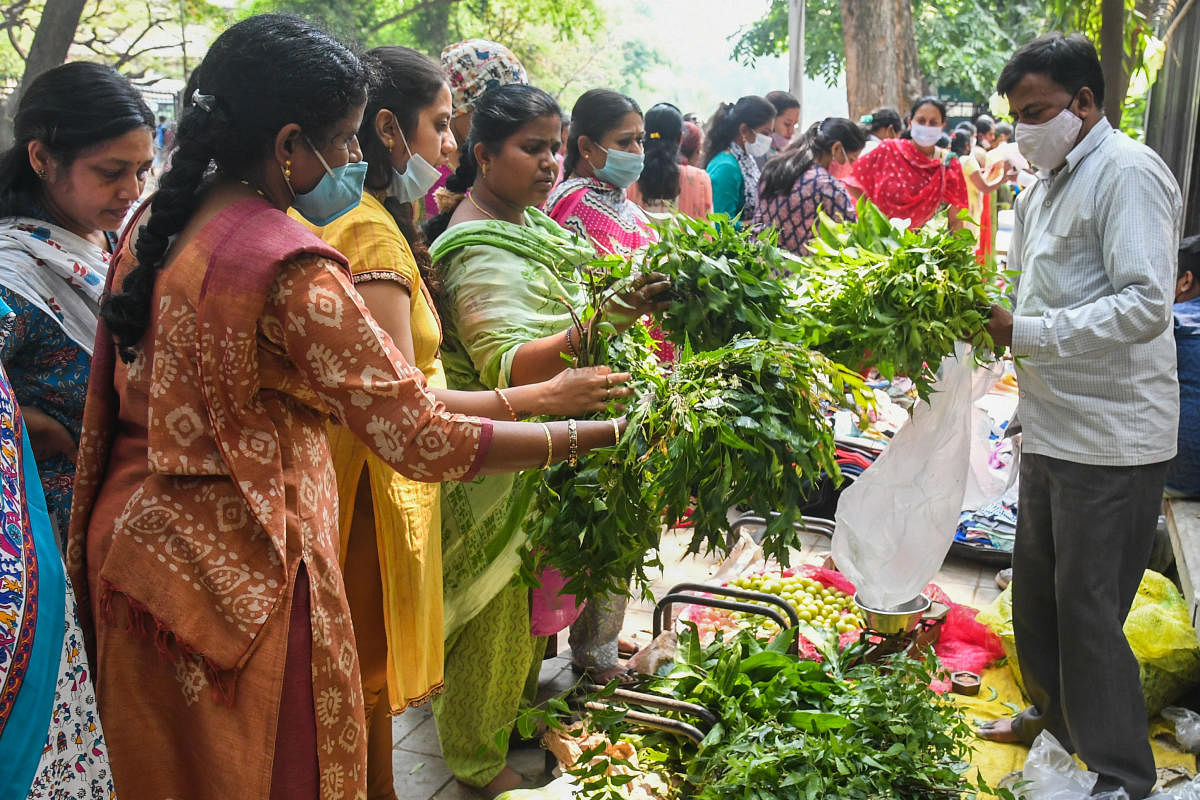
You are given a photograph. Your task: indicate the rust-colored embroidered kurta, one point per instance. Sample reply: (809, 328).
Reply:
(205, 481)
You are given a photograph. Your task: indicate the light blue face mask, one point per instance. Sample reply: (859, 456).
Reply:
(339, 191)
(621, 168)
(418, 177)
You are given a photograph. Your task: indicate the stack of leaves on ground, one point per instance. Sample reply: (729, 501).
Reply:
(877, 294)
(742, 424)
(792, 728)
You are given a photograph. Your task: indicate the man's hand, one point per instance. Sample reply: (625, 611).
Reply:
(1000, 326)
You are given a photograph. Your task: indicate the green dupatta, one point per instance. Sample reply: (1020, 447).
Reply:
(503, 285)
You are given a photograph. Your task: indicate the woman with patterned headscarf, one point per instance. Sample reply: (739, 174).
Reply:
(472, 67)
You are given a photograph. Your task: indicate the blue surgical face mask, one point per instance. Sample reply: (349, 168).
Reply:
(417, 179)
(338, 192)
(621, 168)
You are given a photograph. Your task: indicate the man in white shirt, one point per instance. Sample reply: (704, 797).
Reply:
(1095, 245)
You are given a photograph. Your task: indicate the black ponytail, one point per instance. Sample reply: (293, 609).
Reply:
(499, 113)
(725, 123)
(263, 73)
(68, 109)
(660, 174)
(780, 174)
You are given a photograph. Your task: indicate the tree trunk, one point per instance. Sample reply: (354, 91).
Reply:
(1112, 58)
(881, 55)
(55, 32)
(796, 50)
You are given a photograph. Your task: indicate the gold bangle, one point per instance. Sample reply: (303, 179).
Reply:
(507, 405)
(549, 445)
(616, 431)
(572, 444)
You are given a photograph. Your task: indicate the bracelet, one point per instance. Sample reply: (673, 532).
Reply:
(572, 444)
(549, 446)
(616, 431)
(570, 344)
(507, 405)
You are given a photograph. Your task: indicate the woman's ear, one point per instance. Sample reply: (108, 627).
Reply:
(482, 158)
(286, 142)
(386, 127)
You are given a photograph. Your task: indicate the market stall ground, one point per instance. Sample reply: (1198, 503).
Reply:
(420, 772)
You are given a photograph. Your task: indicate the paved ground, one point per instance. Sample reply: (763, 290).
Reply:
(422, 775)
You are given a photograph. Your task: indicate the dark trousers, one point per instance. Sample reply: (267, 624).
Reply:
(1084, 535)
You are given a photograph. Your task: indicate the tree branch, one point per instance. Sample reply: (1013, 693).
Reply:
(16, 46)
(408, 12)
(1175, 22)
(131, 55)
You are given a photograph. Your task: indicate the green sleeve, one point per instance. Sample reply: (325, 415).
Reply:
(497, 302)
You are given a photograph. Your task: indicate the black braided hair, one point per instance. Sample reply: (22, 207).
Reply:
(404, 82)
(69, 109)
(499, 113)
(262, 74)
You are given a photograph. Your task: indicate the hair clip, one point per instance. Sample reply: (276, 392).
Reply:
(206, 102)
(866, 119)
(655, 135)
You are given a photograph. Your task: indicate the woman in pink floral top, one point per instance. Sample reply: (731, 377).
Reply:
(796, 185)
(604, 158)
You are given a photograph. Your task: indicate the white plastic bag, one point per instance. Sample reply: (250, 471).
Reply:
(1187, 727)
(1050, 773)
(896, 522)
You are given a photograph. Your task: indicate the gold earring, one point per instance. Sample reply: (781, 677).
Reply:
(390, 144)
(287, 170)
(483, 169)
(41, 173)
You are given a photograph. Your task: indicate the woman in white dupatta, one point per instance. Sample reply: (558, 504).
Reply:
(83, 147)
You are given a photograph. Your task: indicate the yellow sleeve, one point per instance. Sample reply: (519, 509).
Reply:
(373, 244)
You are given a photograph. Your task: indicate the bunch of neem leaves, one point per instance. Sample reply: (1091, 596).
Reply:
(725, 283)
(739, 425)
(876, 294)
(871, 293)
(791, 728)
(738, 419)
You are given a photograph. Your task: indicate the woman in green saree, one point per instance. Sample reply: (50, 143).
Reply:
(509, 285)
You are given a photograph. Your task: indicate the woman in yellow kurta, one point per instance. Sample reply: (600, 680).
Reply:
(390, 525)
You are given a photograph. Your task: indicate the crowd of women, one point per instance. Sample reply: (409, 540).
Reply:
(258, 452)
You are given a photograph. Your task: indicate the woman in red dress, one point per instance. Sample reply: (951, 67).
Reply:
(909, 177)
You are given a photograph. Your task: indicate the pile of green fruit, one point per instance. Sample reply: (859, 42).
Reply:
(815, 604)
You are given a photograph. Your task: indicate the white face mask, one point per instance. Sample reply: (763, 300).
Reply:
(925, 135)
(759, 146)
(416, 180)
(1047, 144)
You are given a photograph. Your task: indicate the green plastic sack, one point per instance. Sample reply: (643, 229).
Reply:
(1159, 631)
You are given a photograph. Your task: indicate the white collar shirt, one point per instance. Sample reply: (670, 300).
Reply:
(1094, 251)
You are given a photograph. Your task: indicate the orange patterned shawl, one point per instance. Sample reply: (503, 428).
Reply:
(257, 338)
